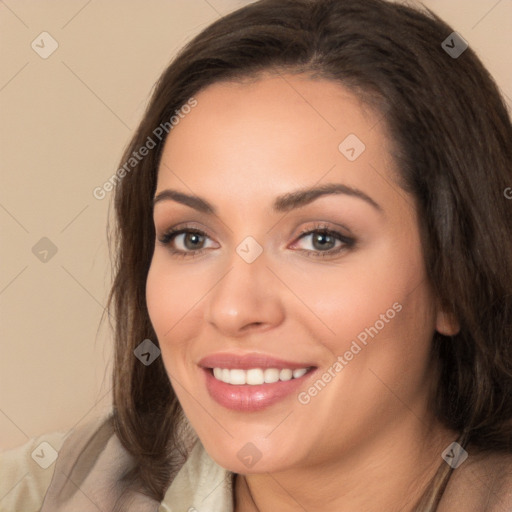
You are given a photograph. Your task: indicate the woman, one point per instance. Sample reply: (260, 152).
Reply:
(312, 296)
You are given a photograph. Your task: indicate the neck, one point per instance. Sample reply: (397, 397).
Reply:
(389, 472)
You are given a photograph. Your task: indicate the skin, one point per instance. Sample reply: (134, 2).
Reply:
(368, 440)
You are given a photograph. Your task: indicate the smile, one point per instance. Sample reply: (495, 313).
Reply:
(252, 382)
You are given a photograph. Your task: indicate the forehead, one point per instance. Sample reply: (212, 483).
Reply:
(274, 133)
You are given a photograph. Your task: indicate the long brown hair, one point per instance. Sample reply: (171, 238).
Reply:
(452, 143)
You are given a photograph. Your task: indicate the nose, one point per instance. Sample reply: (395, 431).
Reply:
(247, 297)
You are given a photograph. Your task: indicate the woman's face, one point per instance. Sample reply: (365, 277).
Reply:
(318, 300)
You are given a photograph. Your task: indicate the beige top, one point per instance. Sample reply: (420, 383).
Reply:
(80, 471)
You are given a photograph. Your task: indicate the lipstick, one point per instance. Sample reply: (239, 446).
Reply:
(252, 382)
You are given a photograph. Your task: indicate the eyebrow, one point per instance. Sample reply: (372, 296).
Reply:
(284, 203)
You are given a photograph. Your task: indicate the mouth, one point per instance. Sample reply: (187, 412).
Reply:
(252, 382)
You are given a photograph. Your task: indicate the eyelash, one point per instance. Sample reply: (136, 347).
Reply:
(347, 242)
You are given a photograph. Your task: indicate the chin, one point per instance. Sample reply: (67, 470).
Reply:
(250, 457)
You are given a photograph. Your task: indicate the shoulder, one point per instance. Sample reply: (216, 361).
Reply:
(90, 473)
(482, 482)
(29, 473)
(26, 472)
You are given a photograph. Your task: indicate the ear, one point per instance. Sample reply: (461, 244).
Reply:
(446, 323)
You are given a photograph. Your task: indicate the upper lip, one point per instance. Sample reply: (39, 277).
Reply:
(248, 361)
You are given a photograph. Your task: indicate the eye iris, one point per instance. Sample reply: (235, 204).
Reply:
(321, 239)
(195, 238)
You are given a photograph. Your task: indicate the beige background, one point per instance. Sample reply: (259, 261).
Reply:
(65, 121)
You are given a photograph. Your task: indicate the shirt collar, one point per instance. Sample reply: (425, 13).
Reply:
(200, 485)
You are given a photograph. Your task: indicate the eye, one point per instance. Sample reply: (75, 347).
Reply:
(184, 241)
(325, 242)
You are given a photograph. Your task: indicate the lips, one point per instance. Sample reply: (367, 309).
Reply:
(252, 382)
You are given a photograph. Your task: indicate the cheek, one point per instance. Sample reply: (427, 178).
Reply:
(172, 298)
(364, 293)
(380, 322)
(383, 318)
(376, 313)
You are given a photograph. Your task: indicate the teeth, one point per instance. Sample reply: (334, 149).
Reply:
(257, 376)
(299, 373)
(271, 375)
(286, 374)
(237, 377)
(254, 376)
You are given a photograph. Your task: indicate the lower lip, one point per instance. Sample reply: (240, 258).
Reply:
(251, 398)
